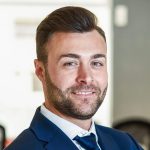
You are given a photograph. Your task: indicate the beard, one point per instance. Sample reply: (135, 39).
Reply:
(62, 101)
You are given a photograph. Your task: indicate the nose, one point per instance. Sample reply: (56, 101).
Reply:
(84, 75)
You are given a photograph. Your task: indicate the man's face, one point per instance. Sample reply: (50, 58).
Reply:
(76, 74)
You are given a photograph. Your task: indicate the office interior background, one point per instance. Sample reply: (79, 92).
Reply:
(126, 23)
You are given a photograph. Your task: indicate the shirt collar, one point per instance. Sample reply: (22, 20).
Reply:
(70, 129)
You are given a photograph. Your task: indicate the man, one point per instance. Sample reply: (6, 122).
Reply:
(72, 66)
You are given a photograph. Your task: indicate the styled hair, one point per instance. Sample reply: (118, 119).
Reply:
(65, 19)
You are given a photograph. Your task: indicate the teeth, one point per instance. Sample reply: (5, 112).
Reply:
(83, 93)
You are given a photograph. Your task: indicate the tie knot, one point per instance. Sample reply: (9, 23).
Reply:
(87, 142)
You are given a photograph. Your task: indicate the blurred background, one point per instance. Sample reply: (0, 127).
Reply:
(127, 103)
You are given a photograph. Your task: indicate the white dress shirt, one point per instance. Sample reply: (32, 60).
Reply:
(70, 129)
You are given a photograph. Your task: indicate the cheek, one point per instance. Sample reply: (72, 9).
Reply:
(102, 80)
(62, 80)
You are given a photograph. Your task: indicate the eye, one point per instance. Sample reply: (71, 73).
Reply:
(70, 64)
(97, 64)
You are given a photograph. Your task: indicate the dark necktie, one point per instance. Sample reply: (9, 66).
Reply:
(87, 142)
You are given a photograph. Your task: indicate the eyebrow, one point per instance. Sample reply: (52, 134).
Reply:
(98, 56)
(71, 55)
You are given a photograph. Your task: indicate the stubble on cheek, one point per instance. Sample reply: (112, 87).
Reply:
(67, 104)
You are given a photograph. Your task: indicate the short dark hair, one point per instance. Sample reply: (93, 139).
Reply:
(65, 19)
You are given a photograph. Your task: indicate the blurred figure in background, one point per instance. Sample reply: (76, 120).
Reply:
(72, 66)
(2, 137)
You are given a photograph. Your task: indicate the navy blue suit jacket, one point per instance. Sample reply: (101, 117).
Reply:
(44, 135)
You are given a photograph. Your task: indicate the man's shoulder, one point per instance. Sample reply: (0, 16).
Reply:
(121, 138)
(26, 140)
(107, 131)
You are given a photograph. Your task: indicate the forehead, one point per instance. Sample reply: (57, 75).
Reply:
(86, 43)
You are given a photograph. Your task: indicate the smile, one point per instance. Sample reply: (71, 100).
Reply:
(84, 93)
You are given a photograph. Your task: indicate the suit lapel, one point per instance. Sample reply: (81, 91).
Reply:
(49, 133)
(105, 141)
(60, 141)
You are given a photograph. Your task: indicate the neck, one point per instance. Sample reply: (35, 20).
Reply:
(84, 124)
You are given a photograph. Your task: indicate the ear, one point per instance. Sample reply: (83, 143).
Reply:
(39, 70)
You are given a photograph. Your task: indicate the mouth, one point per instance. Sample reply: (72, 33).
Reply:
(83, 93)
